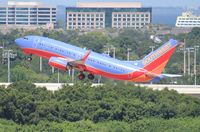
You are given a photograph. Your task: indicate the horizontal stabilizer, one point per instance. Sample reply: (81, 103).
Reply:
(162, 76)
(152, 75)
(170, 75)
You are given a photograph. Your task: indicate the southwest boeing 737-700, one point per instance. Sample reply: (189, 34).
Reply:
(65, 56)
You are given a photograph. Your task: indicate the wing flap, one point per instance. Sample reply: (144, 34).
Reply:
(80, 64)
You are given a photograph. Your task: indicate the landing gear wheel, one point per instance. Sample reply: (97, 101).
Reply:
(91, 76)
(29, 58)
(81, 76)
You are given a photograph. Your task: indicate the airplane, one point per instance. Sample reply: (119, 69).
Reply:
(65, 56)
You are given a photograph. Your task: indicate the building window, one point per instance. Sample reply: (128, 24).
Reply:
(46, 9)
(21, 9)
(43, 12)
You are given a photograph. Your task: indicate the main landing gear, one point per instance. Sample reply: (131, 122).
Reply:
(81, 76)
(91, 76)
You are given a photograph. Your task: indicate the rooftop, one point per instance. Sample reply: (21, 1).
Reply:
(189, 14)
(109, 4)
(13, 3)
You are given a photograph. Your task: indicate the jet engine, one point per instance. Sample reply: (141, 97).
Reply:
(58, 62)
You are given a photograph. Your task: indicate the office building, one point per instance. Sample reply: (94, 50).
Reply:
(27, 14)
(99, 15)
(188, 20)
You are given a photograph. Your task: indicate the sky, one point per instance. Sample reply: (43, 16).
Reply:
(146, 3)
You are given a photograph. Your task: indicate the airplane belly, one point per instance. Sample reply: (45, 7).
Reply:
(119, 76)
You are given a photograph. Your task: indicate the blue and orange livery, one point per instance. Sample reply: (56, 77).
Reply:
(65, 56)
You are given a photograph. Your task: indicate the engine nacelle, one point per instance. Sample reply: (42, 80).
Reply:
(58, 62)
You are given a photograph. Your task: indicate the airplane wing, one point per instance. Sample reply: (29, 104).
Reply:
(80, 64)
(64, 64)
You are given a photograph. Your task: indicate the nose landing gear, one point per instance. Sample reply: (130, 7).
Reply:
(29, 58)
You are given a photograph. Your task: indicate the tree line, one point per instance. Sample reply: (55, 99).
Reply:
(23, 103)
(145, 125)
(23, 106)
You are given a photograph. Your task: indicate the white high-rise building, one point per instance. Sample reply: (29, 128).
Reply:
(27, 14)
(188, 20)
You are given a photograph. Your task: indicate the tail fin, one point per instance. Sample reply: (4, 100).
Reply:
(156, 61)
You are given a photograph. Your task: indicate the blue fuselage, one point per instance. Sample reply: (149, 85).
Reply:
(95, 60)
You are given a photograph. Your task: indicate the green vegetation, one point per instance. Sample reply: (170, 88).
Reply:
(85, 108)
(145, 125)
(98, 41)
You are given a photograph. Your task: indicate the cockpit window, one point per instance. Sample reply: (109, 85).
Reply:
(26, 38)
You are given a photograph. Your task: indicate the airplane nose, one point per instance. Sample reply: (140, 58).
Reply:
(17, 41)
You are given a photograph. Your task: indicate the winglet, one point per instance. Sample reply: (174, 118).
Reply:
(86, 56)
